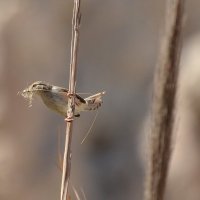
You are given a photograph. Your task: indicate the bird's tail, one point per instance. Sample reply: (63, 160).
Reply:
(94, 102)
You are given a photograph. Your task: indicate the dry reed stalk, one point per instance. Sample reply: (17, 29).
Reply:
(165, 87)
(71, 104)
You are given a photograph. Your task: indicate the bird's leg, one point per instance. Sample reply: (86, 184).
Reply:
(70, 94)
(69, 119)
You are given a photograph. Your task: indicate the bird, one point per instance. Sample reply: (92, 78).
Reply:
(56, 98)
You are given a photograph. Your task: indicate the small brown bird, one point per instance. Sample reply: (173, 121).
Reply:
(56, 98)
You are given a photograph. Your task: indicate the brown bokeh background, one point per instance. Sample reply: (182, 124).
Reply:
(119, 45)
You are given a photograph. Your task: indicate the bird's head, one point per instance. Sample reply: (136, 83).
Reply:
(38, 86)
(35, 88)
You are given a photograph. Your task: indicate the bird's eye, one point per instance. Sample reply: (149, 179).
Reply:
(34, 85)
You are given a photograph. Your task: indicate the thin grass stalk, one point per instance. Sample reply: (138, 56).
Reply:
(71, 102)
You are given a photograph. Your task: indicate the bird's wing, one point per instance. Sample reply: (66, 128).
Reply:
(78, 99)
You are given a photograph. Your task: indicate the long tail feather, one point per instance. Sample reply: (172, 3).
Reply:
(94, 102)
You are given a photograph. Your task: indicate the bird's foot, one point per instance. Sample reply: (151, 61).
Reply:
(69, 119)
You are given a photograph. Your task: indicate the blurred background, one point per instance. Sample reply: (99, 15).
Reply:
(119, 44)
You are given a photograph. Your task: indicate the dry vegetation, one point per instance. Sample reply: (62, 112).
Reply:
(165, 89)
(118, 50)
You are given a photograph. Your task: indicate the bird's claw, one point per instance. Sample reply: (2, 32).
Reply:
(70, 94)
(69, 119)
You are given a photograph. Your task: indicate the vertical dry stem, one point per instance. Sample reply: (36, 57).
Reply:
(165, 87)
(71, 104)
